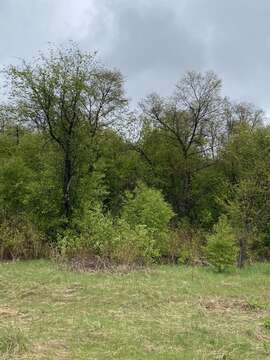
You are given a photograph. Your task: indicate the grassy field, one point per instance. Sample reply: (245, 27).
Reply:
(161, 313)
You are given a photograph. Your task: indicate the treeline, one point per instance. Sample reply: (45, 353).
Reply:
(183, 179)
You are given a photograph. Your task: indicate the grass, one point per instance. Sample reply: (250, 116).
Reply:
(161, 313)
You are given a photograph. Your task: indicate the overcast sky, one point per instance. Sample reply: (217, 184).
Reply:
(153, 42)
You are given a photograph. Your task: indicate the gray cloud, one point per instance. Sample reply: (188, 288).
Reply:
(152, 42)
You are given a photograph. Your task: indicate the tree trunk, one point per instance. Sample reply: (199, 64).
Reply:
(242, 252)
(66, 186)
(187, 188)
(17, 135)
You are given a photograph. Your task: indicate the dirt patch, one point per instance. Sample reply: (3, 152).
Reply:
(229, 305)
(28, 293)
(53, 349)
(97, 264)
(7, 312)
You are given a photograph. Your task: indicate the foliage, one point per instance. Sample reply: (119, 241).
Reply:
(136, 244)
(191, 242)
(111, 238)
(69, 97)
(14, 186)
(146, 206)
(67, 143)
(221, 249)
(98, 231)
(20, 240)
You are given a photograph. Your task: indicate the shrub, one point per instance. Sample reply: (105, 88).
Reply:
(191, 244)
(14, 186)
(134, 244)
(97, 231)
(20, 240)
(138, 236)
(147, 207)
(68, 243)
(110, 238)
(93, 233)
(221, 249)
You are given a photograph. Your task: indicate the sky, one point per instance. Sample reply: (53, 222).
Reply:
(152, 42)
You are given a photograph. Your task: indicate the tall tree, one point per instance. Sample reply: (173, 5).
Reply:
(190, 119)
(68, 95)
(241, 113)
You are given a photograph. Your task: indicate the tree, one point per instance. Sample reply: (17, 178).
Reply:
(69, 96)
(190, 120)
(245, 160)
(241, 113)
(221, 246)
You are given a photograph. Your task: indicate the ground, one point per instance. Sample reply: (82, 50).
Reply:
(160, 313)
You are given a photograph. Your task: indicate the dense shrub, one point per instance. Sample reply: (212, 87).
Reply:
(190, 241)
(134, 244)
(20, 240)
(138, 236)
(221, 249)
(14, 186)
(146, 206)
(97, 231)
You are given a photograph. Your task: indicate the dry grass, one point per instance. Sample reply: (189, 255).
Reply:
(159, 313)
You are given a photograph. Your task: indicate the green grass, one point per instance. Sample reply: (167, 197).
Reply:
(161, 313)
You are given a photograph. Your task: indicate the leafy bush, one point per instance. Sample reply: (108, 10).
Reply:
(20, 240)
(14, 186)
(110, 238)
(68, 243)
(221, 249)
(147, 207)
(138, 236)
(94, 234)
(134, 244)
(191, 241)
(97, 231)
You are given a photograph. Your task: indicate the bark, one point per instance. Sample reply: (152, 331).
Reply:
(68, 174)
(242, 253)
(187, 188)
